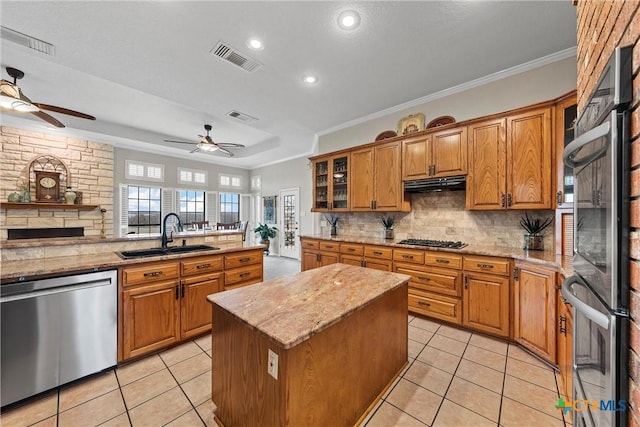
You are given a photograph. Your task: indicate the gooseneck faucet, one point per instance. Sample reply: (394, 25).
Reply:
(166, 240)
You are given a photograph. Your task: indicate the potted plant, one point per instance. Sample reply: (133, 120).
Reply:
(533, 239)
(388, 221)
(265, 233)
(332, 219)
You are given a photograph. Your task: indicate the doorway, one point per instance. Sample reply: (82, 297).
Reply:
(289, 214)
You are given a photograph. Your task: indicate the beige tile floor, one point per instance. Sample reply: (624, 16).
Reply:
(454, 378)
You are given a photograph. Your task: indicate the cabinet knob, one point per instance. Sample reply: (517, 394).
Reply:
(502, 200)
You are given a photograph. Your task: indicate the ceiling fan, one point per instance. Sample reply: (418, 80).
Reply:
(12, 99)
(208, 144)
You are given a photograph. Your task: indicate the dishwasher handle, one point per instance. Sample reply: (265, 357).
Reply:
(57, 290)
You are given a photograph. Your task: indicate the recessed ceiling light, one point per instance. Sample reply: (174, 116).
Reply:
(310, 79)
(255, 44)
(348, 20)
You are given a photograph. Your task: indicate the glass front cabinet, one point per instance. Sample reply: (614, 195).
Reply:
(566, 115)
(331, 183)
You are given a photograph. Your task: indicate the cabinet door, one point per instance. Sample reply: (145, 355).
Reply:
(362, 179)
(355, 260)
(379, 264)
(328, 258)
(151, 317)
(310, 260)
(485, 303)
(529, 163)
(449, 152)
(486, 187)
(339, 188)
(564, 343)
(320, 185)
(415, 157)
(565, 120)
(195, 310)
(387, 177)
(535, 310)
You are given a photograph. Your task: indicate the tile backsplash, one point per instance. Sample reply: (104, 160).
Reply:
(441, 216)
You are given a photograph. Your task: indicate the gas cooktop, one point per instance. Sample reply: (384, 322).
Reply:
(433, 243)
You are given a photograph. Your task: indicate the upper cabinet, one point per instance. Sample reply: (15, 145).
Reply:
(565, 121)
(331, 183)
(510, 162)
(376, 178)
(438, 154)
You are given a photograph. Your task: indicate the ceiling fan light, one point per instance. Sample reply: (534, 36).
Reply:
(9, 89)
(207, 147)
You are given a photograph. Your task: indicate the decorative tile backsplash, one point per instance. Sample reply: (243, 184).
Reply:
(441, 216)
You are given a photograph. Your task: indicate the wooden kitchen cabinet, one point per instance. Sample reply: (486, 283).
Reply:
(318, 253)
(195, 310)
(485, 294)
(564, 342)
(243, 268)
(376, 178)
(535, 309)
(434, 155)
(510, 162)
(331, 183)
(566, 114)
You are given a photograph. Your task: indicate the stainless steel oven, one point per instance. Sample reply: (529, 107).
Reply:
(599, 288)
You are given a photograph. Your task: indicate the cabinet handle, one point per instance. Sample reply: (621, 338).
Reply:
(485, 265)
(559, 198)
(153, 274)
(177, 292)
(377, 253)
(509, 199)
(442, 261)
(244, 259)
(425, 278)
(318, 257)
(182, 291)
(502, 200)
(329, 247)
(466, 285)
(516, 274)
(363, 263)
(562, 323)
(201, 266)
(351, 249)
(245, 274)
(371, 204)
(426, 304)
(407, 256)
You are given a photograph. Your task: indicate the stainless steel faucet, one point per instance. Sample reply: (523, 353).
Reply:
(166, 240)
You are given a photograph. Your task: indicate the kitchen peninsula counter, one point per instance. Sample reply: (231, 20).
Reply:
(330, 328)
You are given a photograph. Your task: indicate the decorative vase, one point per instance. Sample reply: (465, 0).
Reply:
(14, 197)
(388, 233)
(69, 196)
(26, 196)
(267, 243)
(334, 230)
(533, 242)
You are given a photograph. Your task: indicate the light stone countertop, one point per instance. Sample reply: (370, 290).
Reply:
(291, 309)
(545, 258)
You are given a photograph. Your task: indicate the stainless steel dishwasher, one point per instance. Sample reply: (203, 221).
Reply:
(55, 331)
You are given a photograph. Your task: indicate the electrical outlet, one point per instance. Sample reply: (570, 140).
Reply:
(272, 364)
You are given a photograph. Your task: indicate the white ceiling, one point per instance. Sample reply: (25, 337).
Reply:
(144, 68)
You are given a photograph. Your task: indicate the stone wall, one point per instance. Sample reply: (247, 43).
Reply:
(441, 216)
(602, 26)
(91, 170)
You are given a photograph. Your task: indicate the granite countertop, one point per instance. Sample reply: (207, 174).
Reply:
(545, 258)
(14, 271)
(291, 309)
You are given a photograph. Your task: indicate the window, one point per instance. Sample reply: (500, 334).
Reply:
(256, 184)
(191, 176)
(191, 206)
(144, 209)
(229, 207)
(146, 171)
(230, 181)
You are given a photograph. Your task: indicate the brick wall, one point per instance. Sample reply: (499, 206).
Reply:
(91, 169)
(602, 26)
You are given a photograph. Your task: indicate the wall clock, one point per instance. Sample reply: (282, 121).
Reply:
(47, 187)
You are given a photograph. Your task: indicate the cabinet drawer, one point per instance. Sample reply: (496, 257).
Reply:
(440, 307)
(241, 275)
(443, 259)
(310, 244)
(408, 255)
(201, 265)
(378, 252)
(150, 273)
(330, 246)
(487, 265)
(351, 249)
(439, 280)
(242, 258)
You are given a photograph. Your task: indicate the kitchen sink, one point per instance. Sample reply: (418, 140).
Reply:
(143, 253)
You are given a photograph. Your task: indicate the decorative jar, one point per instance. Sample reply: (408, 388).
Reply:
(69, 196)
(533, 242)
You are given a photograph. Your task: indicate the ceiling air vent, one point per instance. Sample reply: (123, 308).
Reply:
(27, 41)
(229, 54)
(241, 116)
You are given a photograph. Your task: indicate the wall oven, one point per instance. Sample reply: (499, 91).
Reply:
(599, 288)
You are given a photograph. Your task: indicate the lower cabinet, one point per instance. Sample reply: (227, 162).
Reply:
(535, 309)
(564, 343)
(195, 311)
(313, 256)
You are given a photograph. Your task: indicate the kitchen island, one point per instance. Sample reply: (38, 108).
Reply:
(316, 348)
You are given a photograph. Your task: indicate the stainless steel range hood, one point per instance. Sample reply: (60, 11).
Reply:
(436, 184)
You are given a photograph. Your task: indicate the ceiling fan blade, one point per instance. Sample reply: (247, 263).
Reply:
(47, 118)
(229, 144)
(63, 111)
(180, 142)
(195, 149)
(224, 150)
